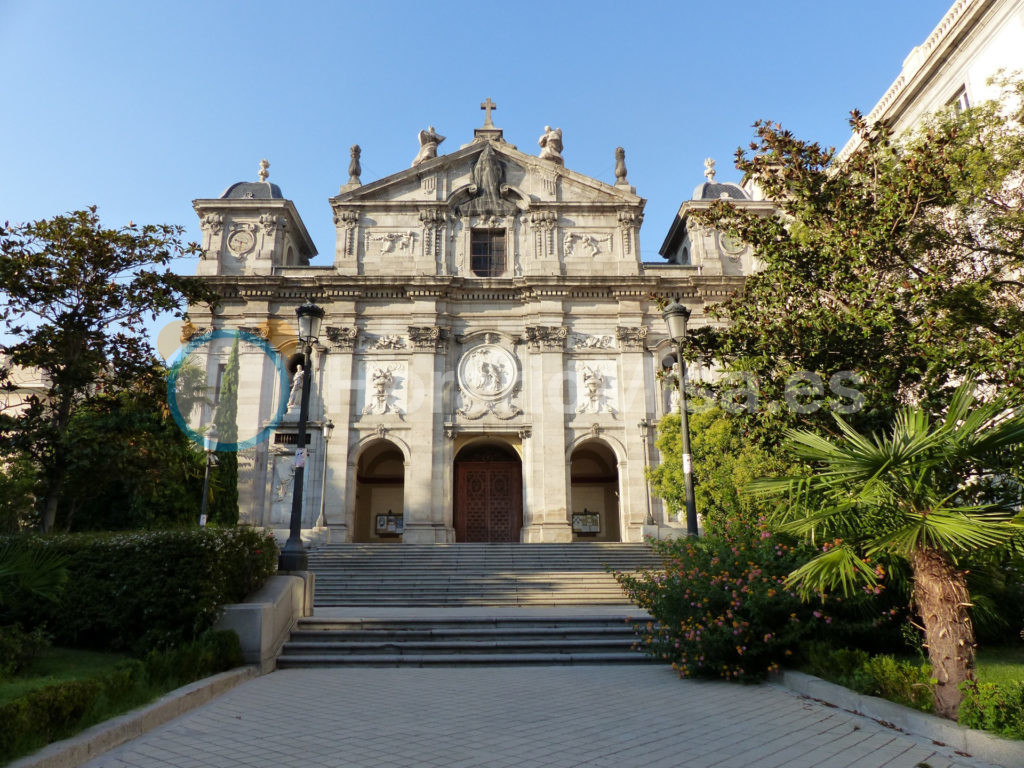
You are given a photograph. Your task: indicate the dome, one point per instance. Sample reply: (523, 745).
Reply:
(713, 190)
(252, 190)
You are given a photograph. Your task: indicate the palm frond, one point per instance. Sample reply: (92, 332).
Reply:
(838, 568)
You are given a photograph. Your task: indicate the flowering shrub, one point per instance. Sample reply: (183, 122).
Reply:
(721, 608)
(144, 590)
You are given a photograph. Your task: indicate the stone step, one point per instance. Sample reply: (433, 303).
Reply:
(462, 640)
(449, 660)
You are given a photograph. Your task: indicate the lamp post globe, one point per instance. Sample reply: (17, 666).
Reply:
(675, 315)
(293, 554)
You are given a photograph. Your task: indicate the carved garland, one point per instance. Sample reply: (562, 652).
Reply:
(546, 336)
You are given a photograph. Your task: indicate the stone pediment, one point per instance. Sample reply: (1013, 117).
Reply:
(525, 180)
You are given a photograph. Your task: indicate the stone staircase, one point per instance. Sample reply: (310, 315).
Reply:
(462, 641)
(469, 604)
(406, 575)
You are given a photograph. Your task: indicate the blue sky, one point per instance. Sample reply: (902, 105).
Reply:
(141, 107)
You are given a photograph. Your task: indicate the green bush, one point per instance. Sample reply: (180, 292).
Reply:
(59, 710)
(18, 648)
(141, 591)
(996, 707)
(901, 681)
(721, 607)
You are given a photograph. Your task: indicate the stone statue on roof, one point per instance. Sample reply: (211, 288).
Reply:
(429, 139)
(551, 145)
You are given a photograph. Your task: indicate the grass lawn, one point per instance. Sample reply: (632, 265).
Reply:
(56, 665)
(1003, 664)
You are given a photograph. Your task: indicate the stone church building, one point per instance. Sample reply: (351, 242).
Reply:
(490, 353)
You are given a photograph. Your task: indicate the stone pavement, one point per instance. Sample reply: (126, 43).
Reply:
(610, 716)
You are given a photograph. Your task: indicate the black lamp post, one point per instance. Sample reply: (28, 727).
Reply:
(293, 555)
(210, 446)
(676, 315)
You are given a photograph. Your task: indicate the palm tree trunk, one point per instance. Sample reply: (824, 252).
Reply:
(941, 599)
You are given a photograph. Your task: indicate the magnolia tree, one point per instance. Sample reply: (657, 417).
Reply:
(902, 264)
(74, 299)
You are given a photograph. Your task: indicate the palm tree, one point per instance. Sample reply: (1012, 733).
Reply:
(929, 494)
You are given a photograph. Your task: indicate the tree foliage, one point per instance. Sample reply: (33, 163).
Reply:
(224, 505)
(74, 299)
(901, 262)
(927, 493)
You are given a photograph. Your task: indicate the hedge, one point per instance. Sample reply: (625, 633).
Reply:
(141, 591)
(62, 709)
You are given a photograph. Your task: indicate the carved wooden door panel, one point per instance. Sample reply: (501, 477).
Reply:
(488, 501)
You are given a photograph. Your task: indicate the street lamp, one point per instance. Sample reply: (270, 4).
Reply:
(676, 315)
(293, 555)
(210, 446)
(328, 431)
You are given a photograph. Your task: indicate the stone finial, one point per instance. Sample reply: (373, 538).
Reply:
(709, 168)
(354, 168)
(620, 168)
(264, 173)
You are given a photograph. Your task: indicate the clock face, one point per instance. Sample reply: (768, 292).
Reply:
(731, 245)
(241, 241)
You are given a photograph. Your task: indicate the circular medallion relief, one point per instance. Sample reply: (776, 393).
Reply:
(731, 245)
(488, 372)
(241, 241)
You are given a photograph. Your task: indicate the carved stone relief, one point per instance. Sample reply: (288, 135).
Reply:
(631, 337)
(213, 223)
(586, 341)
(348, 220)
(380, 384)
(583, 244)
(427, 337)
(386, 341)
(544, 225)
(595, 387)
(342, 338)
(392, 242)
(546, 336)
(272, 223)
(488, 378)
(242, 239)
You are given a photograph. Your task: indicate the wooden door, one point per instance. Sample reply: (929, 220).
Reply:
(488, 501)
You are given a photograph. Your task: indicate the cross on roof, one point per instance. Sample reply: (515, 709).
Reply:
(488, 106)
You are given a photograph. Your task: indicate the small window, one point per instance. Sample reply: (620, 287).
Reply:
(959, 102)
(487, 252)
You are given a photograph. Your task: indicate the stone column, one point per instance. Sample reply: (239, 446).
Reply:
(425, 507)
(339, 404)
(546, 492)
(638, 391)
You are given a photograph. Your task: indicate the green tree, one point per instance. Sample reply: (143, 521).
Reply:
(901, 262)
(926, 493)
(74, 298)
(724, 461)
(129, 465)
(224, 505)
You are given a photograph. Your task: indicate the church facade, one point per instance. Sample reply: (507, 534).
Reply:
(490, 355)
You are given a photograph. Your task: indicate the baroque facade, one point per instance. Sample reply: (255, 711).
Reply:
(489, 357)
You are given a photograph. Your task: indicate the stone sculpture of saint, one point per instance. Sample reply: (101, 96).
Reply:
(295, 398)
(429, 139)
(488, 175)
(551, 145)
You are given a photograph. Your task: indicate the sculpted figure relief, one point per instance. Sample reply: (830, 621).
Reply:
(551, 145)
(382, 381)
(488, 175)
(592, 399)
(429, 139)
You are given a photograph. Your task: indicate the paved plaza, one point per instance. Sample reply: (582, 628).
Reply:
(614, 716)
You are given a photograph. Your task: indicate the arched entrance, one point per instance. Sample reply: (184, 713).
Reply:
(380, 494)
(594, 494)
(488, 493)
